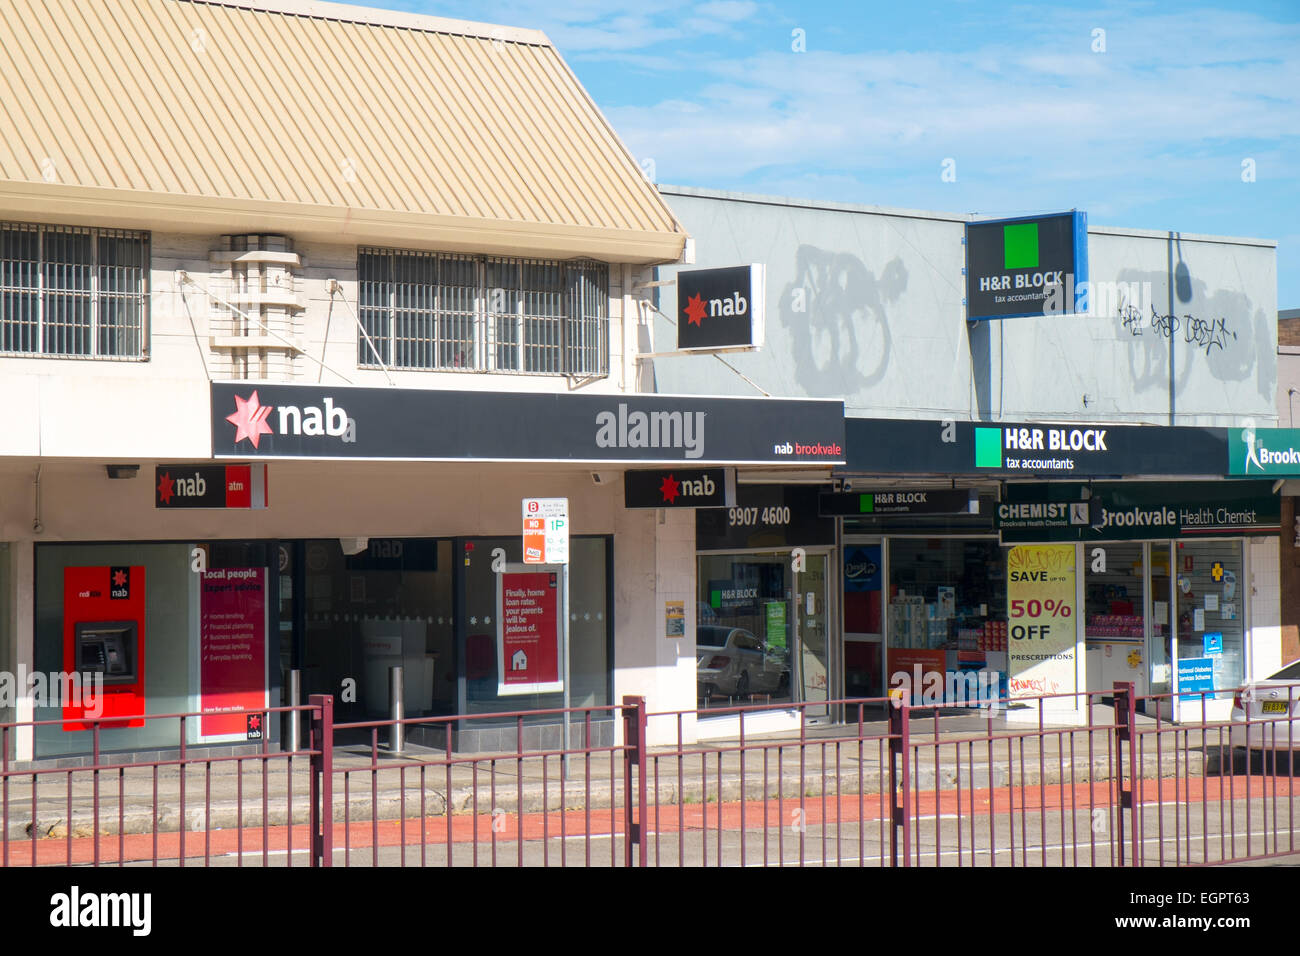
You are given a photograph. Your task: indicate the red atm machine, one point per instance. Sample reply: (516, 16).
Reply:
(103, 632)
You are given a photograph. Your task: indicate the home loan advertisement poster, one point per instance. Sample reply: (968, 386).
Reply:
(528, 634)
(232, 651)
(1041, 615)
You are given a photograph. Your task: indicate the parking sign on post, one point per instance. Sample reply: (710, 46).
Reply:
(546, 541)
(546, 530)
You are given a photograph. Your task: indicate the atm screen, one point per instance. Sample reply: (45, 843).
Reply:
(108, 648)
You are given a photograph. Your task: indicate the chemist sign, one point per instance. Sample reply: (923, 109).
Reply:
(546, 531)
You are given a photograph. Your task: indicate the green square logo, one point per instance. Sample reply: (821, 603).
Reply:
(1020, 245)
(715, 599)
(866, 504)
(988, 447)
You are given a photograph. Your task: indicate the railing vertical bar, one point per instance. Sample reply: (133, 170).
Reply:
(862, 814)
(956, 753)
(780, 806)
(546, 816)
(681, 798)
(374, 796)
(449, 803)
(67, 784)
(121, 816)
(704, 809)
(613, 791)
(519, 792)
(288, 788)
(743, 829)
(492, 792)
(207, 813)
(656, 799)
(184, 825)
(766, 825)
(94, 776)
(155, 814)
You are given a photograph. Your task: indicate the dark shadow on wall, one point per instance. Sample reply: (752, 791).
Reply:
(836, 314)
(981, 358)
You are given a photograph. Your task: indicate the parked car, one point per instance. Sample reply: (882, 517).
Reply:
(1265, 718)
(732, 662)
(1266, 713)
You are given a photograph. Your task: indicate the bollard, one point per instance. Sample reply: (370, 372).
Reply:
(295, 718)
(396, 710)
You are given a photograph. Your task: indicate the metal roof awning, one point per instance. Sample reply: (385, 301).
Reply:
(318, 119)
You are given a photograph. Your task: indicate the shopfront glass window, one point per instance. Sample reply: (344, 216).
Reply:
(1114, 595)
(141, 598)
(947, 606)
(589, 626)
(381, 603)
(745, 630)
(1211, 614)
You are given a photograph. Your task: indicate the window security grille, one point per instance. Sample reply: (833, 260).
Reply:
(432, 311)
(73, 293)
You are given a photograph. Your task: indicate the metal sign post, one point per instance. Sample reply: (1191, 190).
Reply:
(564, 651)
(546, 541)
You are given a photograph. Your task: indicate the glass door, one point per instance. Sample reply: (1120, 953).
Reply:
(1160, 635)
(863, 618)
(812, 619)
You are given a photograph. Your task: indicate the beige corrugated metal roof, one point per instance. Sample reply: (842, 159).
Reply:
(313, 118)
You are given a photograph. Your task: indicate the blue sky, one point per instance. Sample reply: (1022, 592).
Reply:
(1149, 115)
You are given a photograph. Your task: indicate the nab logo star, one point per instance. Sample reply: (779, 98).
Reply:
(165, 488)
(670, 489)
(694, 310)
(119, 578)
(250, 419)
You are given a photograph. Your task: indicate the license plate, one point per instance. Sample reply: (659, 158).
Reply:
(1275, 707)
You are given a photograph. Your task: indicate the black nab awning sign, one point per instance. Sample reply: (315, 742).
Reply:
(1031, 266)
(721, 308)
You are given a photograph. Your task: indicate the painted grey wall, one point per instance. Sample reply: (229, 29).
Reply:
(865, 304)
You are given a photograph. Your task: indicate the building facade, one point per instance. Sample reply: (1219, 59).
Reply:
(1122, 406)
(300, 302)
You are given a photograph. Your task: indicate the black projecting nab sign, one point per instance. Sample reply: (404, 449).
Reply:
(259, 420)
(680, 488)
(721, 308)
(1031, 266)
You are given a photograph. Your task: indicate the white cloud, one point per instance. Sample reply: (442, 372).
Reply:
(1167, 88)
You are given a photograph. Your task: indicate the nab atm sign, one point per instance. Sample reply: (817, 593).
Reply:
(1031, 266)
(721, 308)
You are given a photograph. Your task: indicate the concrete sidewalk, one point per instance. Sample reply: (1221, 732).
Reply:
(226, 793)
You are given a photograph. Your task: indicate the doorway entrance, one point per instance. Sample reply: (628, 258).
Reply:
(762, 630)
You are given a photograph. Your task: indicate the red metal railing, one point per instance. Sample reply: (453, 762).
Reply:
(114, 810)
(1073, 780)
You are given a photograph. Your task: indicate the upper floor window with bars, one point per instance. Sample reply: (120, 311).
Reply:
(423, 310)
(70, 292)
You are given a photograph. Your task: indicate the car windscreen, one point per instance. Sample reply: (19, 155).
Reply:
(712, 636)
(1290, 672)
